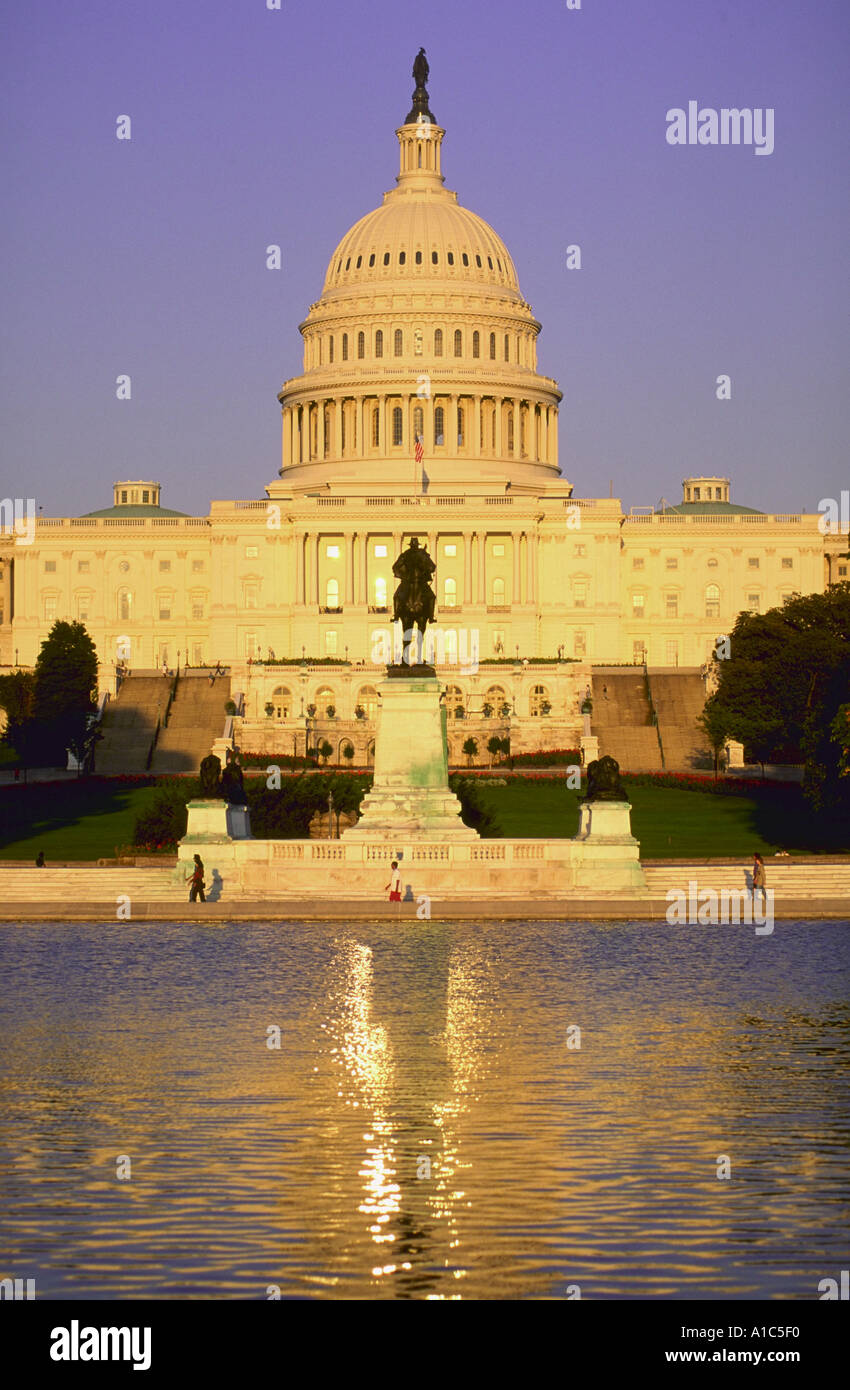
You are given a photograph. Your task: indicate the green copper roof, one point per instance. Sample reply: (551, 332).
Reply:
(711, 509)
(137, 510)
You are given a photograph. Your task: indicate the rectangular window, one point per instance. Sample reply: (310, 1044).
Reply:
(639, 652)
(123, 498)
(197, 566)
(842, 571)
(672, 562)
(637, 562)
(450, 550)
(251, 596)
(332, 552)
(330, 644)
(146, 497)
(580, 594)
(50, 609)
(197, 612)
(580, 551)
(83, 608)
(50, 567)
(380, 552)
(672, 605)
(251, 645)
(197, 654)
(753, 562)
(754, 603)
(83, 567)
(251, 552)
(672, 653)
(498, 550)
(164, 615)
(787, 562)
(638, 605)
(580, 644)
(164, 565)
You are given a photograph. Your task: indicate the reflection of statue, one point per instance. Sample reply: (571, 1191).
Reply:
(210, 775)
(232, 786)
(603, 781)
(413, 601)
(420, 69)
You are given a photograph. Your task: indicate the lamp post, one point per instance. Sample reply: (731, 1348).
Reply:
(330, 815)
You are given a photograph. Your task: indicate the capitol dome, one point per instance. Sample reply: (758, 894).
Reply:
(421, 344)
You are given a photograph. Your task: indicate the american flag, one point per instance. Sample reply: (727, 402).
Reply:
(418, 451)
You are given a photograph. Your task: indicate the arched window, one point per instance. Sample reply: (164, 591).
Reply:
(361, 344)
(493, 346)
(380, 592)
(418, 422)
(332, 593)
(397, 428)
(458, 343)
(712, 601)
(125, 604)
(379, 343)
(438, 342)
(282, 701)
(367, 700)
(539, 703)
(476, 344)
(386, 258)
(439, 425)
(450, 593)
(498, 598)
(331, 348)
(376, 427)
(460, 420)
(507, 348)
(324, 699)
(418, 256)
(454, 701)
(398, 342)
(345, 347)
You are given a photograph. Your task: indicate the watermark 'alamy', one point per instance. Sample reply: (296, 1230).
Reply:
(728, 126)
(709, 907)
(17, 514)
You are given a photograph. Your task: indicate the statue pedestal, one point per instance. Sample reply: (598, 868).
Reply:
(607, 822)
(215, 822)
(410, 796)
(589, 748)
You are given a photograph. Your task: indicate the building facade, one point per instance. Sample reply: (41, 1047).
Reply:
(419, 411)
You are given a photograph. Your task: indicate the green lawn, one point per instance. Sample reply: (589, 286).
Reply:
(84, 820)
(670, 824)
(90, 819)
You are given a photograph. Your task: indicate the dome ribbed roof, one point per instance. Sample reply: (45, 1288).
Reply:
(427, 240)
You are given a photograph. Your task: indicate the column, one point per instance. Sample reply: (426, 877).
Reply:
(530, 543)
(348, 542)
(339, 406)
(361, 438)
(467, 568)
(315, 575)
(299, 568)
(554, 436)
(477, 407)
(364, 568)
(406, 430)
(523, 561)
(515, 540)
(498, 408)
(451, 424)
(517, 427)
(482, 565)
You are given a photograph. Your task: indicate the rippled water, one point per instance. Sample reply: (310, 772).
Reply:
(424, 1131)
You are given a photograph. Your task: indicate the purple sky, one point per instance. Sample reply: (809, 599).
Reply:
(253, 126)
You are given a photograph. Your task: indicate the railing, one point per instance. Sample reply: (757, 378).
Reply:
(331, 501)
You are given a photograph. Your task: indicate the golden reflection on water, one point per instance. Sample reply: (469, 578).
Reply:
(424, 1131)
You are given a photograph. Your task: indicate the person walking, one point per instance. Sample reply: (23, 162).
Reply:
(197, 877)
(39, 860)
(394, 884)
(759, 879)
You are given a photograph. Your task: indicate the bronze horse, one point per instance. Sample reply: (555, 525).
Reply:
(414, 600)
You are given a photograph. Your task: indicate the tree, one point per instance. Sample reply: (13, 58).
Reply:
(348, 753)
(56, 711)
(470, 748)
(506, 749)
(781, 689)
(494, 747)
(17, 698)
(713, 722)
(325, 750)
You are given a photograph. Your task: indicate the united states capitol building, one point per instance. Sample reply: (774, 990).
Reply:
(419, 411)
